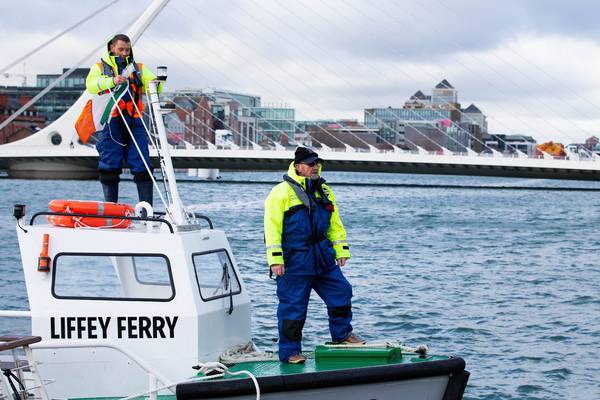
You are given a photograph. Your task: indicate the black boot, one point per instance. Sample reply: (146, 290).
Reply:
(110, 184)
(145, 191)
(111, 192)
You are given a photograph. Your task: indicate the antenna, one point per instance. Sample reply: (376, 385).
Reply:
(176, 207)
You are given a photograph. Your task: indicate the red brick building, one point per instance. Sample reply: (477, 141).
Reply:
(24, 125)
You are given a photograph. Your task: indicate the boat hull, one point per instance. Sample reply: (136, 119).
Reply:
(444, 379)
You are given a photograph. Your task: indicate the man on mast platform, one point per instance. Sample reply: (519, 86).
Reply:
(306, 246)
(118, 84)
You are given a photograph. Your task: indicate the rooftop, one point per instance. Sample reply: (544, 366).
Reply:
(444, 84)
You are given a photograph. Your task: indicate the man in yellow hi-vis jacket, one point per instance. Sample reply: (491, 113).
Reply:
(123, 142)
(306, 246)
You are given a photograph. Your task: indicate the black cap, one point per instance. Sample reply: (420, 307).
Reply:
(306, 156)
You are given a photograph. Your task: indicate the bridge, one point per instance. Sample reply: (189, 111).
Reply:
(55, 153)
(80, 162)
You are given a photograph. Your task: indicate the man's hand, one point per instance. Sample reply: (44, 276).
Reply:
(341, 261)
(278, 269)
(119, 79)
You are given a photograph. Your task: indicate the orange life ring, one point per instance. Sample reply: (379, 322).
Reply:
(93, 208)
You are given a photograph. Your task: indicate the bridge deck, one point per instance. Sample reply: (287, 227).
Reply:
(81, 162)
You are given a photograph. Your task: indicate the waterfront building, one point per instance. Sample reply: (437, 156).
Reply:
(275, 124)
(191, 122)
(591, 143)
(392, 122)
(474, 122)
(418, 100)
(76, 80)
(48, 108)
(428, 118)
(344, 133)
(509, 144)
(438, 136)
(249, 122)
(202, 111)
(29, 122)
(444, 95)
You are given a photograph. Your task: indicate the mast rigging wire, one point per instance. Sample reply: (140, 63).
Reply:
(52, 39)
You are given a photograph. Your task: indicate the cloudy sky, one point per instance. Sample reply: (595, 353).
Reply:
(533, 67)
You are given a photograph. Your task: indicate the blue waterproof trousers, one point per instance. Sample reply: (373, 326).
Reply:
(293, 292)
(116, 148)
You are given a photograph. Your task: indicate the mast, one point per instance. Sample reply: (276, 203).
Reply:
(144, 20)
(176, 207)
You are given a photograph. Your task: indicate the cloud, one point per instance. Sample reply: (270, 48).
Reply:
(532, 66)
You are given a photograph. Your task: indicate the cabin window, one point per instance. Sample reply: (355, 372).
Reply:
(112, 277)
(215, 275)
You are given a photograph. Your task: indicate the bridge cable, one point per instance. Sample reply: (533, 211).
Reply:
(450, 105)
(304, 22)
(359, 139)
(474, 71)
(522, 89)
(53, 84)
(384, 123)
(293, 122)
(194, 134)
(235, 100)
(534, 77)
(393, 146)
(47, 42)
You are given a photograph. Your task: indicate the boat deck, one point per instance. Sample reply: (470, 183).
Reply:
(338, 359)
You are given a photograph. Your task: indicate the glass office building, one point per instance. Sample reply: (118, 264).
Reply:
(390, 120)
(272, 122)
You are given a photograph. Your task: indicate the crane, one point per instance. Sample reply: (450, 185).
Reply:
(12, 74)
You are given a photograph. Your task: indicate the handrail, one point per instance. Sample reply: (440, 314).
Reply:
(204, 217)
(164, 221)
(196, 215)
(12, 342)
(15, 313)
(78, 344)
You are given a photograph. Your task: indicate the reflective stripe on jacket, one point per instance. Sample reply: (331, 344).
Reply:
(306, 237)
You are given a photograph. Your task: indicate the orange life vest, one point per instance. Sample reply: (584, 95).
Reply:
(136, 87)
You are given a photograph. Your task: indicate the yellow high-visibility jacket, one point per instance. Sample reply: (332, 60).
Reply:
(284, 206)
(97, 82)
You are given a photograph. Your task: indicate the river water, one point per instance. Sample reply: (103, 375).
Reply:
(507, 279)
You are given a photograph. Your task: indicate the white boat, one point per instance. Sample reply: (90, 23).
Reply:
(159, 309)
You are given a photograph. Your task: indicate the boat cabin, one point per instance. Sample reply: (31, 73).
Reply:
(117, 301)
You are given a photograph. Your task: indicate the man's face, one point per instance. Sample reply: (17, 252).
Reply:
(120, 48)
(310, 170)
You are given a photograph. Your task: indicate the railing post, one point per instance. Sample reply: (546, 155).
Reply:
(19, 372)
(5, 393)
(153, 384)
(41, 389)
